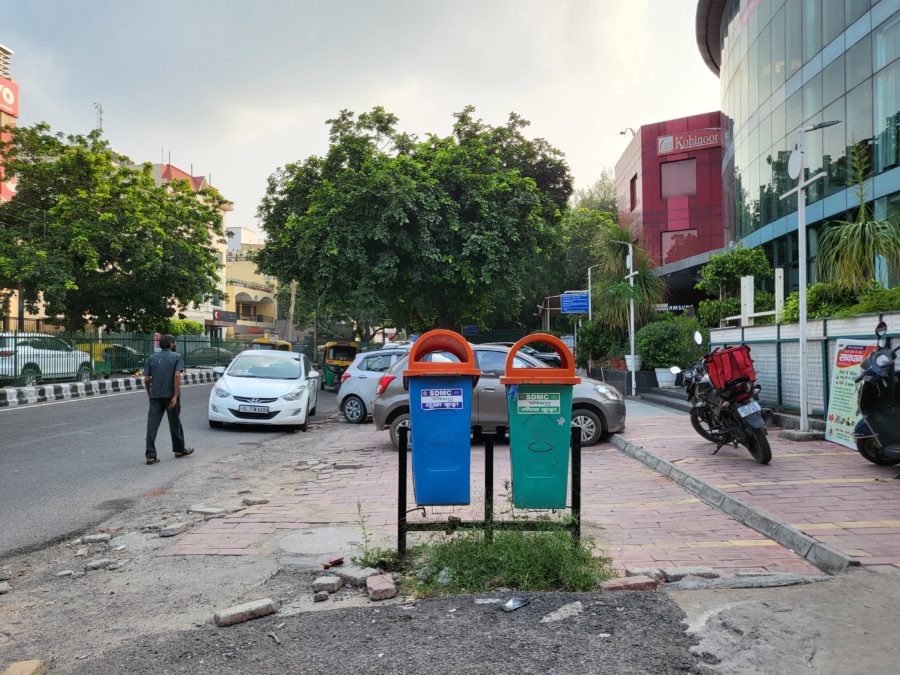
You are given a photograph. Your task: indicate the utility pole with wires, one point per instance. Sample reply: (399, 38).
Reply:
(290, 325)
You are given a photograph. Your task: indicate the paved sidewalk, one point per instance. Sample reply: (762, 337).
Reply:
(637, 516)
(825, 490)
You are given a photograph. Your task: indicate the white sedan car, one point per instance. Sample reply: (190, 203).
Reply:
(265, 387)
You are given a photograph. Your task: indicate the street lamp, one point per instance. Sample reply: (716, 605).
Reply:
(631, 275)
(795, 170)
(622, 133)
(590, 295)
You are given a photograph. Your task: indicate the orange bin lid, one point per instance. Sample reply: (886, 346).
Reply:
(565, 374)
(441, 340)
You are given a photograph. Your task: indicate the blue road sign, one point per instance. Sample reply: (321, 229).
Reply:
(573, 303)
(470, 331)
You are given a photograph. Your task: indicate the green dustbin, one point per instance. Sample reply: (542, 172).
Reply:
(540, 420)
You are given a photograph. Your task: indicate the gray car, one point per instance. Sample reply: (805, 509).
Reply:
(359, 381)
(597, 408)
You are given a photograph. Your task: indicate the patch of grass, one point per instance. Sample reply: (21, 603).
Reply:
(534, 561)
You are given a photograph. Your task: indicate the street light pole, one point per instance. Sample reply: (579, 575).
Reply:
(590, 294)
(795, 170)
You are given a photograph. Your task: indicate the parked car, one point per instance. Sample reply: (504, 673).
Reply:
(123, 359)
(265, 387)
(208, 356)
(359, 382)
(30, 358)
(597, 408)
(550, 358)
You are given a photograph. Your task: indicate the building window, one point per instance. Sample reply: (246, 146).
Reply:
(678, 179)
(632, 204)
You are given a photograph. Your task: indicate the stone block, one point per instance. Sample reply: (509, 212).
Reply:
(329, 584)
(5, 575)
(32, 667)
(204, 510)
(652, 572)
(4, 587)
(381, 587)
(255, 501)
(245, 612)
(638, 583)
(678, 573)
(95, 538)
(172, 530)
(321, 596)
(354, 575)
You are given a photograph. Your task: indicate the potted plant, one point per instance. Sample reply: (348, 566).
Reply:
(660, 345)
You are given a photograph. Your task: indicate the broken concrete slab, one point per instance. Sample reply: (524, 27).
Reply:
(381, 587)
(255, 501)
(652, 572)
(204, 510)
(98, 564)
(245, 612)
(172, 530)
(321, 596)
(639, 583)
(678, 573)
(329, 584)
(95, 538)
(354, 575)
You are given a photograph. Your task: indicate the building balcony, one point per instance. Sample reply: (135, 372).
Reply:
(253, 285)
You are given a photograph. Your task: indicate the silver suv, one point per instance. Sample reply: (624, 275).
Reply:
(597, 408)
(29, 358)
(360, 380)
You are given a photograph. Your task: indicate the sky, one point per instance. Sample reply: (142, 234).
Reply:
(237, 89)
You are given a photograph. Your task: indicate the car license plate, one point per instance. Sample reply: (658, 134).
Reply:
(749, 409)
(253, 409)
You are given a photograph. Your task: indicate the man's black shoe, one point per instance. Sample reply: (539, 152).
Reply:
(185, 452)
(153, 460)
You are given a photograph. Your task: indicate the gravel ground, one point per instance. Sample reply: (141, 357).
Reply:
(624, 632)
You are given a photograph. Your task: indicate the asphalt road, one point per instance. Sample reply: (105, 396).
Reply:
(66, 466)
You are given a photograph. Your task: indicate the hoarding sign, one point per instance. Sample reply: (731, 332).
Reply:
(573, 303)
(689, 140)
(9, 97)
(843, 410)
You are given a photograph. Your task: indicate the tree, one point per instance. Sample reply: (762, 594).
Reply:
(601, 196)
(721, 276)
(612, 292)
(443, 231)
(848, 249)
(95, 240)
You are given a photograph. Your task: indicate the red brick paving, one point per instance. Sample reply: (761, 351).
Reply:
(637, 516)
(823, 489)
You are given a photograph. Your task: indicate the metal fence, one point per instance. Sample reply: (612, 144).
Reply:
(776, 355)
(32, 357)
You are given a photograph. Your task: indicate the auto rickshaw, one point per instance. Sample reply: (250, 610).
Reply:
(338, 355)
(271, 343)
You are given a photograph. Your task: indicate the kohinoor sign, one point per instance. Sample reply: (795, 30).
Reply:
(688, 140)
(9, 97)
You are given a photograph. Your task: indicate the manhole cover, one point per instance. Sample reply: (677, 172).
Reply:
(114, 504)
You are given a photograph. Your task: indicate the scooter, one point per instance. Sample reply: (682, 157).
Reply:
(726, 408)
(878, 432)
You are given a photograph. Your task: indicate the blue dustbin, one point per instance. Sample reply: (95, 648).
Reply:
(440, 418)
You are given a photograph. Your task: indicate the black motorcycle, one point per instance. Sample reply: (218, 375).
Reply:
(726, 408)
(878, 432)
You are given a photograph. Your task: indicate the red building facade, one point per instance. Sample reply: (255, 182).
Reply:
(669, 186)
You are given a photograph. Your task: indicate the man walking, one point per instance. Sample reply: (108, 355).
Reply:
(162, 380)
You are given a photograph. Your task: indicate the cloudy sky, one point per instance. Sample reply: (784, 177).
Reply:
(238, 88)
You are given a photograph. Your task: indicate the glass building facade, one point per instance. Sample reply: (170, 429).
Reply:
(787, 64)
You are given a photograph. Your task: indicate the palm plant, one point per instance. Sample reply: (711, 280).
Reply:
(612, 291)
(848, 250)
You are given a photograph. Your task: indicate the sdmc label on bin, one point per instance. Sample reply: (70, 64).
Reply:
(538, 404)
(442, 399)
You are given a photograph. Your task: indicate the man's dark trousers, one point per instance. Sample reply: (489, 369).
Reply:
(158, 406)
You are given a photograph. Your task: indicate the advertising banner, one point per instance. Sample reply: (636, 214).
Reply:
(9, 97)
(843, 413)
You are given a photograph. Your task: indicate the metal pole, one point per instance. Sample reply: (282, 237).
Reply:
(590, 296)
(488, 487)
(576, 482)
(631, 317)
(801, 239)
(401, 494)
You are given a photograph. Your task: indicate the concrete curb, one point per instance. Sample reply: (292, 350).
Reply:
(824, 557)
(19, 396)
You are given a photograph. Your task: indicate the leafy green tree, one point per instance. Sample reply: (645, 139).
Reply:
(184, 327)
(95, 240)
(721, 276)
(447, 231)
(601, 196)
(849, 248)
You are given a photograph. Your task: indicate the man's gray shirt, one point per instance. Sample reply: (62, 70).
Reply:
(161, 368)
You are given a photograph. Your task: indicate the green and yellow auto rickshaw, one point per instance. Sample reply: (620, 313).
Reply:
(337, 356)
(271, 343)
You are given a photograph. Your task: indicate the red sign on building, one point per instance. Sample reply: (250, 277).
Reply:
(9, 97)
(689, 140)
